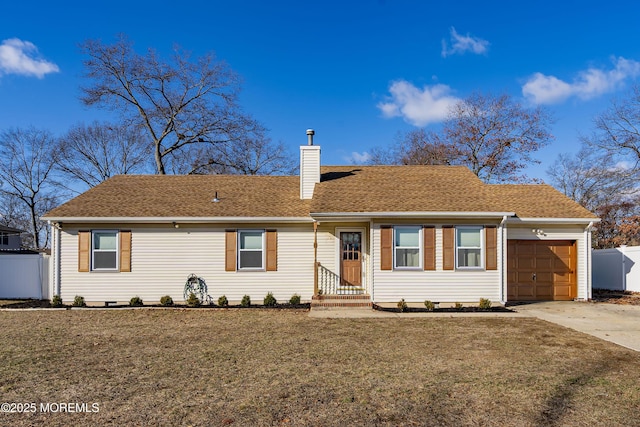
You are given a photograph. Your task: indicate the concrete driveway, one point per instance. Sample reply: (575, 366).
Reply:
(619, 324)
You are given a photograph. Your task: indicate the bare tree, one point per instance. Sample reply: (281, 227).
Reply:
(28, 159)
(91, 154)
(593, 178)
(618, 129)
(180, 104)
(255, 155)
(492, 135)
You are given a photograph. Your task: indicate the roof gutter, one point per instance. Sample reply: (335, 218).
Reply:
(177, 219)
(554, 220)
(427, 214)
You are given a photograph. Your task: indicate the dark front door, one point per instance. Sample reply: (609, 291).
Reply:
(351, 258)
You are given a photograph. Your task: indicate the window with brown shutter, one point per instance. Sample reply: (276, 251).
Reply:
(386, 248)
(448, 248)
(429, 247)
(230, 250)
(491, 248)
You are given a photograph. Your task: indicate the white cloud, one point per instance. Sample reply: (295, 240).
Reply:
(462, 44)
(20, 57)
(358, 158)
(590, 83)
(431, 104)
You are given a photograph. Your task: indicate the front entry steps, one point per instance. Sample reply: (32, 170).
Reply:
(333, 302)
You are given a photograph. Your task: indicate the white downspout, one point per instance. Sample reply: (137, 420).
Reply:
(503, 269)
(55, 276)
(587, 239)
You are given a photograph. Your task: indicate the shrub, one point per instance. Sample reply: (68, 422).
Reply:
(485, 304)
(56, 301)
(402, 306)
(193, 300)
(136, 302)
(429, 305)
(246, 301)
(458, 305)
(295, 300)
(270, 300)
(166, 301)
(223, 301)
(78, 301)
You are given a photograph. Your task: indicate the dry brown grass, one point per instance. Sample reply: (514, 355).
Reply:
(271, 367)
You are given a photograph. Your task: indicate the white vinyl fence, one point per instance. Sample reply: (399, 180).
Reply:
(24, 276)
(617, 268)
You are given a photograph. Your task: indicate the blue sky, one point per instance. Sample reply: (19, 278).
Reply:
(358, 72)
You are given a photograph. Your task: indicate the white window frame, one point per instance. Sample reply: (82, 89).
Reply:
(480, 230)
(420, 248)
(4, 236)
(240, 250)
(93, 250)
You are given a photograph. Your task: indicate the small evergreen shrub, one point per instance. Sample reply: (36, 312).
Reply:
(223, 301)
(402, 306)
(78, 301)
(295, 300)
(166, 301)
(246, 301)
(193, 300)
(485, 304)
(136, 302)
(56, 301)
(430, 306)
(270, 300)
(458, 305)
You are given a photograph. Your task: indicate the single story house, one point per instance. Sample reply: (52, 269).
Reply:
(374, 234)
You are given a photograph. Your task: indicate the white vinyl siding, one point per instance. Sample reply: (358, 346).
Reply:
(162, 258)
(465, 286)
(551, 232)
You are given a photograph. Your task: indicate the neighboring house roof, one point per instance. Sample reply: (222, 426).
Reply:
(10, 229)
(342, 189)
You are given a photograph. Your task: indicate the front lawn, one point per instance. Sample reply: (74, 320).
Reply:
(272, 367)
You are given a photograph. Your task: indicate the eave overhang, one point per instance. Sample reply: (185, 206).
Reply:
(176, 219)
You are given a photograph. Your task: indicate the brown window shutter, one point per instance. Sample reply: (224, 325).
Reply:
(125, 251)
(84, 251)
(230, 250)
(386, 248)
(448, 249)
(429, 247)
(272, 250)
(491, 248)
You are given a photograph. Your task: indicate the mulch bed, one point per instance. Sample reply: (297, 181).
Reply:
(470, 309)
(616, 297)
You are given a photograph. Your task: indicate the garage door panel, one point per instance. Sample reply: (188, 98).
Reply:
(552, 263)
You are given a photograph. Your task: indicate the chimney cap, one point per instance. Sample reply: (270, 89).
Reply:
(311, 132)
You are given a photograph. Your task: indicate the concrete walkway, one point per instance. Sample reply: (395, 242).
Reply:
(619, 324)
(616, 323)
